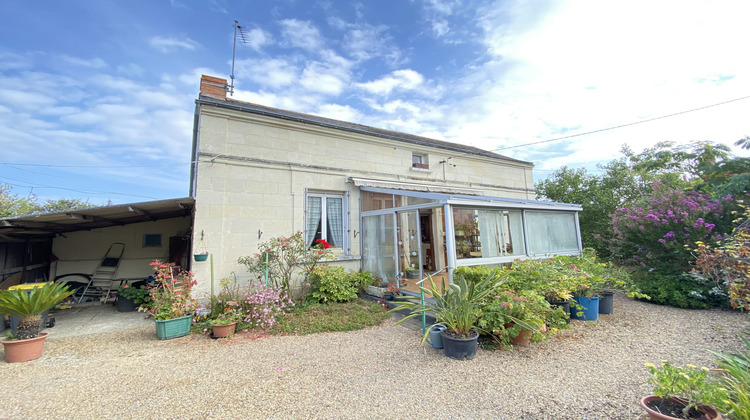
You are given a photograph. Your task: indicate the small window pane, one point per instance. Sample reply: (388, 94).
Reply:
(376, 201)
(152, 239)
(416, 159)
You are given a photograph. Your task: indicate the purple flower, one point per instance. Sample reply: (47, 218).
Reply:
(669, 234)
(662, 240)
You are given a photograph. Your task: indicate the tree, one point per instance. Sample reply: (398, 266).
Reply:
(12, 205)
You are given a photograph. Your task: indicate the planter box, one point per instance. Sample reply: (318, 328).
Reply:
(173, 328)
(375, 291)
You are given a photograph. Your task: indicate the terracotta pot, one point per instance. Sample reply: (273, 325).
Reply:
(223, 331)
(709, 413)
(523, 338)
(24, 350)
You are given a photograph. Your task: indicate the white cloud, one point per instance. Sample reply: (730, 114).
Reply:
(339, 112)
(95, 63)
(406, 79)
(270, 72)
(165, 44)
(301, 34)
(258, 38)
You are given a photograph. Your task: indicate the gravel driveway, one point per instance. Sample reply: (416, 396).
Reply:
(593, 371)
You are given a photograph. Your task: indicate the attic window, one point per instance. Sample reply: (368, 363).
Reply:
(419, 161)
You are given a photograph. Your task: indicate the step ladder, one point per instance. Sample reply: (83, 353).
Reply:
(105, 274)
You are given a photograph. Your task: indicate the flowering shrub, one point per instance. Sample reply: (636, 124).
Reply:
(728, 263)
(502, 310)
(170, 293)
(262, 306)
(655, 234)
(285, 255)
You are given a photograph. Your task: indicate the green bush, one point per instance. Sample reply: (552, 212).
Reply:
(687, 291)
(333, 284)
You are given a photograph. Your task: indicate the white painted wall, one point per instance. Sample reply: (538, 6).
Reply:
(81, 252)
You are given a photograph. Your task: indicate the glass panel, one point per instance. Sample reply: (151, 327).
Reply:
(551, 232)
(411, 201)
(408, 241)
(312, 222)
(378, 253)
(376, 201)
(488, 233)
(335, 225)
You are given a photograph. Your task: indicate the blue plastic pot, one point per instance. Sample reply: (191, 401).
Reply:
(587, 308)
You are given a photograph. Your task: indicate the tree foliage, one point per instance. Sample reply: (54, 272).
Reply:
(12, 205)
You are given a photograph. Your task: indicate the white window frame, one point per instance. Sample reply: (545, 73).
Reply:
(346, 245)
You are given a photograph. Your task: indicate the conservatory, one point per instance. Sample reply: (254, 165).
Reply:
(407, 235)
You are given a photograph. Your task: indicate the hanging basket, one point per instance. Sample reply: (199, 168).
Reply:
(200, 257)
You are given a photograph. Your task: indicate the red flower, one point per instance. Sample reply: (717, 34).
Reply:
(125, 287)
(323, 243)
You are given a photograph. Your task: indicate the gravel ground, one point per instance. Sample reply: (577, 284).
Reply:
(592, 371)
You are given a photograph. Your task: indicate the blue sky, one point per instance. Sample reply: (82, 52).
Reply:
(97, 97)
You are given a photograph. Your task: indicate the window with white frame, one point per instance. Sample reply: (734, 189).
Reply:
(551, 232)
(326, 217)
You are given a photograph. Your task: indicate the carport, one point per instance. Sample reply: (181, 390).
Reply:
(73, 244)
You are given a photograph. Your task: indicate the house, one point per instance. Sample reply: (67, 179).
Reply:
(391, 203)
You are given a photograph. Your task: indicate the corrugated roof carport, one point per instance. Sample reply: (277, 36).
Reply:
(26, 242)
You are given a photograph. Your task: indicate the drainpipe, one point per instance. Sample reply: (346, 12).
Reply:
(450, 241)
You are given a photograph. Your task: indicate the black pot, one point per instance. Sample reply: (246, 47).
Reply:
(125, 305)
(460, 348)
(566, 307)
(606, 303)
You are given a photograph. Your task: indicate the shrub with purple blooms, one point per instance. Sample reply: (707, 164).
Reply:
(659, 234)
(262, 306)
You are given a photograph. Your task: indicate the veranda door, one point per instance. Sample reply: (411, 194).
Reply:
(409, 250)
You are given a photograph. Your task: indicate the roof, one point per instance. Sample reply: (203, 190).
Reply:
(51, 224)
(347, 126)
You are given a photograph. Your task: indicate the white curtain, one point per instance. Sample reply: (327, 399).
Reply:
(313, 219)
(515, 238)
(491, 233)
(334, 215)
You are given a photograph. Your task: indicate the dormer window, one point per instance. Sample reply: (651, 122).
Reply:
(419, 161)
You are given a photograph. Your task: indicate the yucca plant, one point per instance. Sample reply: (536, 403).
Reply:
(459, 305)
(29, 306)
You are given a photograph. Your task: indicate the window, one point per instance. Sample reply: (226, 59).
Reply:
(488, 233)
(551, 232)
(151, 239)
(419, 161)
(326, 217)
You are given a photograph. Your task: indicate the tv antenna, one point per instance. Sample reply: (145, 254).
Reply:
(238, 30)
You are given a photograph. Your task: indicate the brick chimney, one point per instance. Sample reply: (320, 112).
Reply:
(213, 86)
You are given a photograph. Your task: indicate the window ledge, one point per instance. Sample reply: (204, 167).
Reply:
(342, 257)
(421, 170)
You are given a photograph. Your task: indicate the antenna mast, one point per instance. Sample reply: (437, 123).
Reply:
(244, 39)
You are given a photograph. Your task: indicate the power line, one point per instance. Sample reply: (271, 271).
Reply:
(621, 126)
(94, 166)
(32, 186)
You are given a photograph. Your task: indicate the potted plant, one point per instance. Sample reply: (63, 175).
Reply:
(28, 306)
(458, 308)
(514, 316)
(224, 324)
(171, 304)
(129, 298)
(200, 256)
(683, 393)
